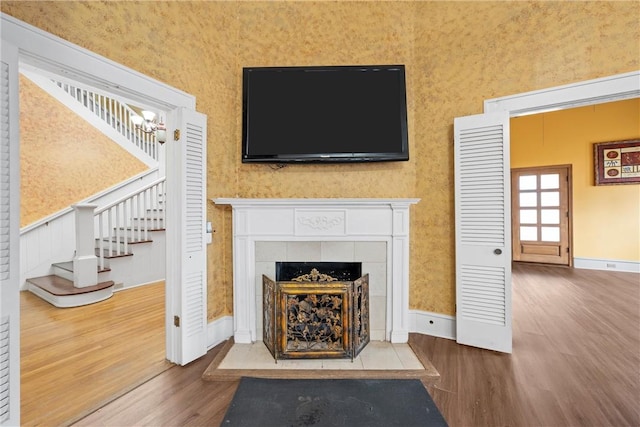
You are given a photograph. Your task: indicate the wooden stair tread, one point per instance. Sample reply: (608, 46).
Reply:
(60, 286)
(136, 229)
(130, 241)
(68, 266)
(108, 256)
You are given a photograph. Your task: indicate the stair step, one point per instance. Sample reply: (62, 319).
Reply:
(68, 266)
(60, 292)
(118, 244)
(154, 214)
(130, 241)
(60, 286)
(135, 229)
(109, 256)
(151, 222)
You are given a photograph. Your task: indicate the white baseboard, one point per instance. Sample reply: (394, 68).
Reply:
(117, 287)
(434, 324)
(219, 330)
(607, 264)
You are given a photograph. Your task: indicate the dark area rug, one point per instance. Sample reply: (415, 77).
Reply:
(326, 402)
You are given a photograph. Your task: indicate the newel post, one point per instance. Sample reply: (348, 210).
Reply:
(85, 262)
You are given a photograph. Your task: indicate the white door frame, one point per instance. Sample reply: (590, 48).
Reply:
(72, 63)
(607, 89)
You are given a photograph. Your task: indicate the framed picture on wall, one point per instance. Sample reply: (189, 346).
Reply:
(617, 162)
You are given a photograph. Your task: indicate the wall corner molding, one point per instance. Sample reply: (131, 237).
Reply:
(219, 331)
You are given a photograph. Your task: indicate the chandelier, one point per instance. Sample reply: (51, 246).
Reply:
(147, 124)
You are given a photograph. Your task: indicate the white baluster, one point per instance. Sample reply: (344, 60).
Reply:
(101, 241)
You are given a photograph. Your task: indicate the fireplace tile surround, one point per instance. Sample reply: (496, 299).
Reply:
(372, 231)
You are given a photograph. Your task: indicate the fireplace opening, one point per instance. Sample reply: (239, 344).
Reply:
(316, 310)
(348, 271)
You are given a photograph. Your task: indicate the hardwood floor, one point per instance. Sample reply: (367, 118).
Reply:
(575, 362)
(177, 397)
(74, 360)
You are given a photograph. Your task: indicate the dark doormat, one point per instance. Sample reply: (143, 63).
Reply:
(325, 402)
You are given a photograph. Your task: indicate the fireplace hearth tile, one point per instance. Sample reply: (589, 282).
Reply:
(378, 355)
(382, 356)
(408, 357)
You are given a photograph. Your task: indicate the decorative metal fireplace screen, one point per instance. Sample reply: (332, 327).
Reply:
(316, 316)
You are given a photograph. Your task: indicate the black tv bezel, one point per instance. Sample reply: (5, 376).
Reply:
(327, 157)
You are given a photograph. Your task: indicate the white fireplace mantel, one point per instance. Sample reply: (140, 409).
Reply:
(256, 220)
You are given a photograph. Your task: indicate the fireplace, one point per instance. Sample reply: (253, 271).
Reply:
(304, 225)
(323, 313)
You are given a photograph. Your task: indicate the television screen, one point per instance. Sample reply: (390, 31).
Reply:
(324, 114)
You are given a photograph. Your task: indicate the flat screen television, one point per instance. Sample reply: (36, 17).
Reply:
(326, 114)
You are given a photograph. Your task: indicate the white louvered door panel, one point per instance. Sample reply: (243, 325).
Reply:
(483, 231)
(186, 200)
(9, 239)
(5, 366)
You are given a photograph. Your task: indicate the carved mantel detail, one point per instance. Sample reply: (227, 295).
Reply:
(320, 222)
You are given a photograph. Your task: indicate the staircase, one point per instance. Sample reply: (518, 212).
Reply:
(108, 237)
(121, 230)
(106, 113)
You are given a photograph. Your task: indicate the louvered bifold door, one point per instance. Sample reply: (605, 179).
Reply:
(483, 238)
(187, 209)
(9, 239)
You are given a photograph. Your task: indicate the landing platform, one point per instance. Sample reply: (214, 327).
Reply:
(61, 292)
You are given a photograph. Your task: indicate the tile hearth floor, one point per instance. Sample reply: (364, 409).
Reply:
(377, 355)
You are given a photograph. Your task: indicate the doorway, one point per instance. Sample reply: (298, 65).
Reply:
(495, 118)
(541, 214)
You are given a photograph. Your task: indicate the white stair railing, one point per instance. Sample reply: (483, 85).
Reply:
(129, 220)
(115, 114)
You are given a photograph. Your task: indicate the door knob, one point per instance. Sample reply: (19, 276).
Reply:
(497, 251)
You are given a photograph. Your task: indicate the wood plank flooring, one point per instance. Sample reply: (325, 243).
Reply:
(575, 362)
(74, 360)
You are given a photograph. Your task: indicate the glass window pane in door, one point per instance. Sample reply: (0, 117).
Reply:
(550, 181)
(527, 182)
(550, 216)
(528, 200)
(550, 198)
(529, 234)
(528, 216)
(550, 234)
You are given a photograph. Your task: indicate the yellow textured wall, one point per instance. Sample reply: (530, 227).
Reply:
(457, 54)
(606, 219)
(63, 159)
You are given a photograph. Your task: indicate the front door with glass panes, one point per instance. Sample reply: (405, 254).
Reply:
(541, 214)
